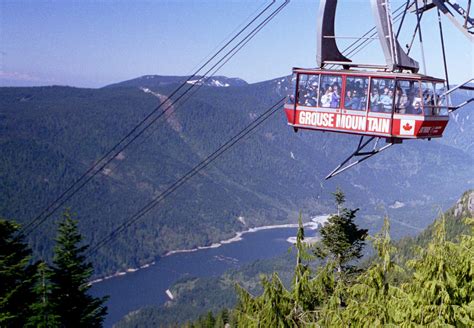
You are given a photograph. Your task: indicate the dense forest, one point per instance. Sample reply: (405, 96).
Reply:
(434, 287)
(420, 281)
(51, 135)
(38, 294)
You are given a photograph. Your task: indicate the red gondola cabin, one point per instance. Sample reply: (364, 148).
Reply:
(380, 104)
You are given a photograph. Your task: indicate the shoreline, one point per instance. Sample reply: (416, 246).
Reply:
(313, 225)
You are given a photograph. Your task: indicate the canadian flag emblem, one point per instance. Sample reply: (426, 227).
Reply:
(407, 127)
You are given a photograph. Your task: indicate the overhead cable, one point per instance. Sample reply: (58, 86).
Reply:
(143, 125)
(192, 172)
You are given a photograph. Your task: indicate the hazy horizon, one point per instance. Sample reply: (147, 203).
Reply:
(93, 44)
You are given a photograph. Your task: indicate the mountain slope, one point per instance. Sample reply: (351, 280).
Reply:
(50, 135)
(197, 296)
(156, 81)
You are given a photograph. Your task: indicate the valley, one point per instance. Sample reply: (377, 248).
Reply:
(50, 135)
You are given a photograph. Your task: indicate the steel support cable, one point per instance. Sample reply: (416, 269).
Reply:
(181, 181)
(32, 225)
(403, 18)
(414, 33)
(368, 41)
(418, 17)
(362, 43)
(365, 42)
(367, 33)
(443, 50)
(226, 38)
(178, 103)
(94, 166)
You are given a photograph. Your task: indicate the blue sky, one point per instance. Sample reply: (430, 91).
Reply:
(95, 43)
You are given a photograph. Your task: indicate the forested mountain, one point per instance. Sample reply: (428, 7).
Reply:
(195, 297)
(455, 227)
(155, 81)
(50, 135)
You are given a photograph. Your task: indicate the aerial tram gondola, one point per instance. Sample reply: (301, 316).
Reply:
(392, 102)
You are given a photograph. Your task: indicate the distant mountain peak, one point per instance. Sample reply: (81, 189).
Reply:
(218, 81)
(153, 81)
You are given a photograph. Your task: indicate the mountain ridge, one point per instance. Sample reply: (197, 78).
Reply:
(154, 81)
(266, 178)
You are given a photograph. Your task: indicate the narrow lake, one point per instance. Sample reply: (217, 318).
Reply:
(148, 286)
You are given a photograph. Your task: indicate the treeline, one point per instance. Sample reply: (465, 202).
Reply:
(52, 135)
(42, 295)
(433, 288)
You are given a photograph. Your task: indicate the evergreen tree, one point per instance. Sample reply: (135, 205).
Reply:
(210, 320)
(272, 309)
(372, 299)
(340, 199)
(437, 292)
(301, 275)
(222, 318)
(70, 276)
(15, 276)
(341, 240)
(441, 292)
(43, 308)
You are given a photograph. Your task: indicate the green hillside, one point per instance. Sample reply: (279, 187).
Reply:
(455, 227)
(51, 135)
(194, 297)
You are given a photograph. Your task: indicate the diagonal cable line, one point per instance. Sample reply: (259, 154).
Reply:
(361, 43)
(115, 150)
(94, 166)
(195, 170)
(178, 103)
(366, 42)
(250, 34)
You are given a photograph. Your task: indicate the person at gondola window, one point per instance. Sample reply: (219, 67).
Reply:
(401, 100)
(415, 108)
(348, 99)
(386, 100)
(354, 103)
(335, 97)
(428, 102)
(312, 100)
(363, 100)
(356, 99)
(374, 100)
(326, 98)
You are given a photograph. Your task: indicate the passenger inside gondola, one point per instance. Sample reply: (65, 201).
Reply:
(374, 100)
(356, 95)
(355, 101)
(414, 108)
(382, 95)
(335, 98)
(312, 97)
(330, 94)
(363, 101)
(326, 97)
(401, 100)
(348, 99)
(386, 100)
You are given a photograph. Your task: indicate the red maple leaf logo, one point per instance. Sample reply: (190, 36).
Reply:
(407, 127)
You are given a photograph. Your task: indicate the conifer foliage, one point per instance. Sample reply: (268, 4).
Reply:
(341, 239)
(70, 276)
(433, 289)
(43, 309)
(37, 295)
(15, 276)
